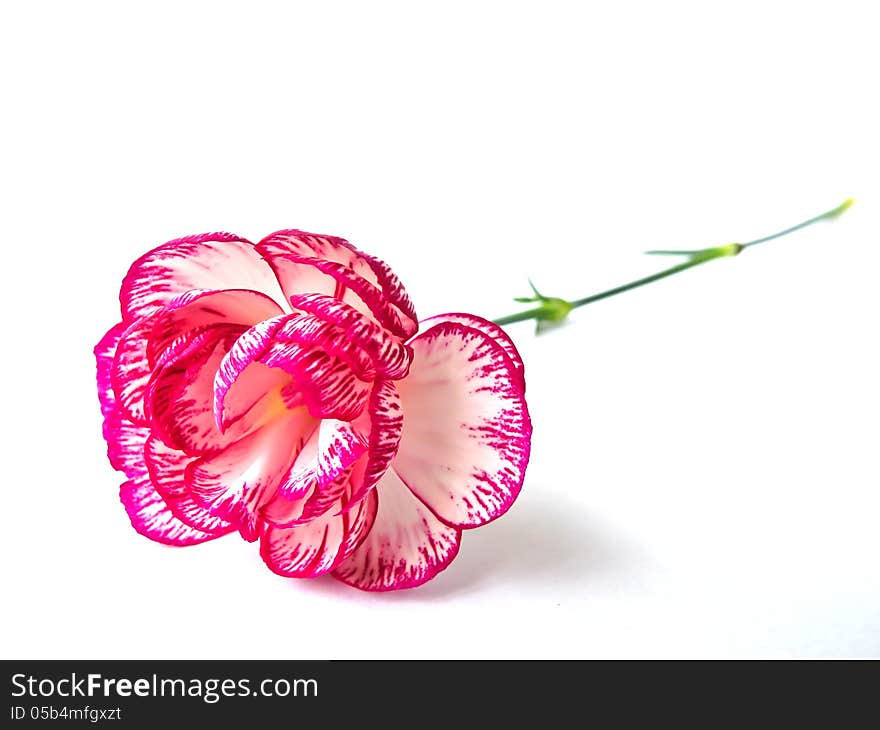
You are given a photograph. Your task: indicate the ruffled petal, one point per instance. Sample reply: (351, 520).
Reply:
(148, 511)
(235, 483)
(197, 310)
(487, 328)
(381, 425)
(326, 496)
(310, 263)
(315, 479)
(125, 446)
(319, 546)
(406, 546)
(132, 370)
(180, 401)
(206, 261)
(105, 353)
(466, 433)
(167, 469)
(323, 367)
(391, 358)
(125, 440)
(152, 518)
(332, 448)
(330, 372)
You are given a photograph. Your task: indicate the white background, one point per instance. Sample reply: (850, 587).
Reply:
(704, 476)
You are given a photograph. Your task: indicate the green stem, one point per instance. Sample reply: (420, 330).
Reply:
(708, 255)
(553, 309)
(839, 210)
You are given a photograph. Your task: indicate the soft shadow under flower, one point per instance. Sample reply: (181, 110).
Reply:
(542, 543)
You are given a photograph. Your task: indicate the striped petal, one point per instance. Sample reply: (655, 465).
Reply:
(318, 474)
(487, 328)
(180, 401)
(323, 366)
(125, 446)
(235, 483)
(309, 263)
(105, 353)
(406, 545)
(196, 310)
(381, 425)
(319, 546)
(147, 510)
(254, 386)
(167, 470)
(332, 448)
(125, 440)
(332, 372)
(152, 518)
(325, 497)
(391, 358)
(206, 261)
(466, 432)
(132, 370)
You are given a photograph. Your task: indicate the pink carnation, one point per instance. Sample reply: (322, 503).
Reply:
(281, 391)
